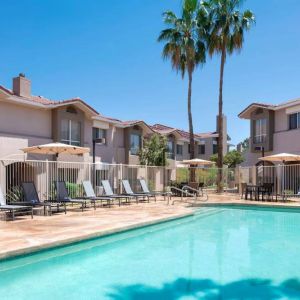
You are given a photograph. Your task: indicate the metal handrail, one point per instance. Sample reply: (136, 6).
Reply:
(196, 191)
(182, 192)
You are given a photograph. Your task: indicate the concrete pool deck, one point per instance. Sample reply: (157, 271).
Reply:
(25, 235)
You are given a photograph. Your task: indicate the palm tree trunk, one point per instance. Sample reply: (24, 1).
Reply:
(191, 129)
(220, 125)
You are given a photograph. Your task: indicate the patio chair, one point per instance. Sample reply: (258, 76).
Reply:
(63, 195)
(146, 190)
(110, 194)
(90, 194)
(129, 192)
(13, 208)
(266, 190)
(32, 198)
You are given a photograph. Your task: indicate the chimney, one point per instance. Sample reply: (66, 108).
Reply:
(22, 86)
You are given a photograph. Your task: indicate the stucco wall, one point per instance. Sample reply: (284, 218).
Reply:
(22, 120)
(11, 145)
(287, 141)
(281, 120)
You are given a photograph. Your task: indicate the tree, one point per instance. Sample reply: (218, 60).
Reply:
(245, 145)
(226, 35)
(154, 150)
(186, 50)
(231, 159)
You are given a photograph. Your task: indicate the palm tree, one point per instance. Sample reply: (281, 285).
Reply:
(185, 50)
(226, 35)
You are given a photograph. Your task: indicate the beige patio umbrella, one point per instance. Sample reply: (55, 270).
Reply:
(197, 162)
(281, 157)
(55, 149)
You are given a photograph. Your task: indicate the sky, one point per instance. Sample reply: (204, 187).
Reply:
(106, 53)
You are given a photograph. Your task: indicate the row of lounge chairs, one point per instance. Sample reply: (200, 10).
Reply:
(32, 200)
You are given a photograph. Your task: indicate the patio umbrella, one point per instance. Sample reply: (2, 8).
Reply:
(55, 149)
(197, 162)
(193, 163)
(281, 157)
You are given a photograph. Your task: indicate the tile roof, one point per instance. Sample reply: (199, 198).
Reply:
(270, 106)
(160, 128)
(45, 101)
(184, 134)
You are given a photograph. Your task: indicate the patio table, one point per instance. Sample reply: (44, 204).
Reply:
(252, 190)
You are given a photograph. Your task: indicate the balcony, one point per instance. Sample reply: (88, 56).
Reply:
(170, 155)
(259, 139)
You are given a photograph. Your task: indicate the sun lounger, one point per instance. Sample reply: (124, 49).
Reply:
(138, 196)
(63, 195)
(90, 194)
(32, 198)
(146, 190)
(110, 194)
(13, 208)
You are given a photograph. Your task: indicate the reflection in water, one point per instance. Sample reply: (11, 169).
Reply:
(254, 289)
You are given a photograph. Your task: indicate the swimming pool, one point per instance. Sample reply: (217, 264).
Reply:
(220, 253)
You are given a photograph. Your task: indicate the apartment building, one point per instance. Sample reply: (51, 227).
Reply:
(179, 147)
(273, 129)
(28, 120)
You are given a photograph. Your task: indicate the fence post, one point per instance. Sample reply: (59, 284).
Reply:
(146, 173)
(121, 178)
(47, 179)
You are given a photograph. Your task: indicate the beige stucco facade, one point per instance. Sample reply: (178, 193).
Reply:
(27, 120)
(279, 136)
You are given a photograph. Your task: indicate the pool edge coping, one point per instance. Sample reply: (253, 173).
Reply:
(84, 237)
(263, 205)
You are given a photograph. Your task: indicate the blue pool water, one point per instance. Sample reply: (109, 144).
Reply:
(221, 253)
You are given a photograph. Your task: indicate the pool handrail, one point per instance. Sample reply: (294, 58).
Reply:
(187, 187)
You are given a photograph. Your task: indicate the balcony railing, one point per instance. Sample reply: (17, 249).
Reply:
(259, 139)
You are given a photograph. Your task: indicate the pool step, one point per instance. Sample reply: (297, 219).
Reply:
(205, 212)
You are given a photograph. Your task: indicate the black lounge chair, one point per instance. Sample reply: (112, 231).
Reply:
(110, 194)
(14, 208)
(146, 190)
(32, 198)
(90, 194)
(63, 195)
(137, 196)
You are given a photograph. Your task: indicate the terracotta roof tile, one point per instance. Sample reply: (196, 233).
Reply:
(46, 101)
(183, 133)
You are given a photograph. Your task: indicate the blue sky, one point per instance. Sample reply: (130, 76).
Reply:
(106, 53)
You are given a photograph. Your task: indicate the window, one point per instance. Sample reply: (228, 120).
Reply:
(179, 149)
(135, 143)
(294, 121)
(189, 148)
(170, 149)
(260, 131)
(70, 132)
(201, 149)
(215, 147)
(99, 133)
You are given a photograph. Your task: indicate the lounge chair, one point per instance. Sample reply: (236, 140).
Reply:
(63, 195)
(110, 194)
(129, 192)
(13, 208)
(146, 190)
(32, 198)
(90, 194)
